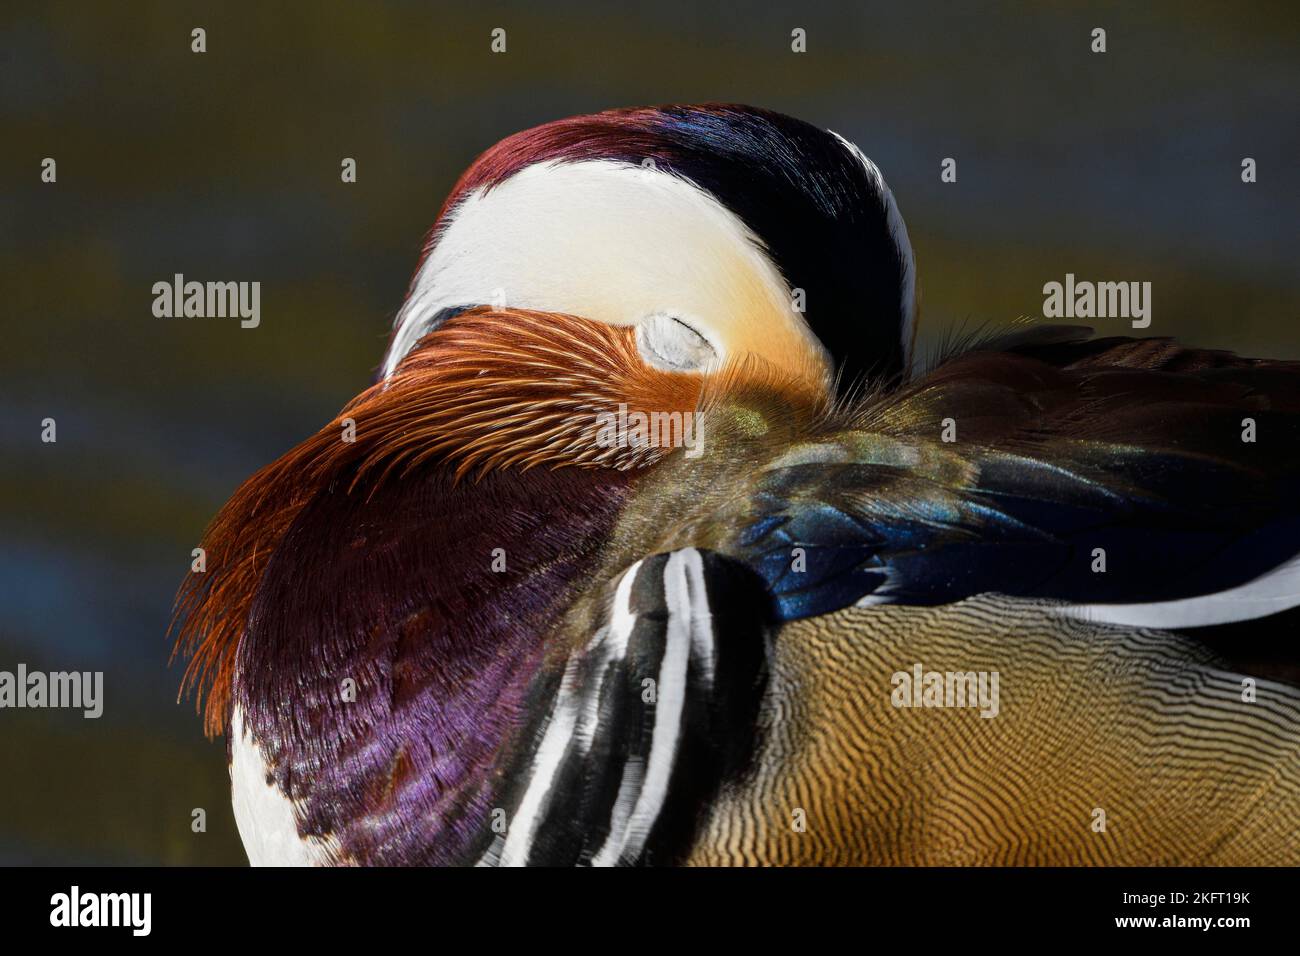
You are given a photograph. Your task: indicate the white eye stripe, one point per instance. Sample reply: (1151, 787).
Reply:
(603, 241)
(669, 343)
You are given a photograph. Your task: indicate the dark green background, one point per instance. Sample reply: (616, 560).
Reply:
(1123, 166)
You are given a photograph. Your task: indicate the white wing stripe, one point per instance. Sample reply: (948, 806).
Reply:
(1278, 590)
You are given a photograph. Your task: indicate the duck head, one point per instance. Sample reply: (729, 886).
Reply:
(714, 231)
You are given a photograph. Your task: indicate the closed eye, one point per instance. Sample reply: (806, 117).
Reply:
(666, 342)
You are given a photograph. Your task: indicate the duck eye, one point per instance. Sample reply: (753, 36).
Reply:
(667, 342)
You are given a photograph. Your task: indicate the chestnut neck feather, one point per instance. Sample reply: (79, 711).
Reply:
(488, 393)
(400, 590)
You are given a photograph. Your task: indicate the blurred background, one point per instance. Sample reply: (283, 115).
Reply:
(225, 165)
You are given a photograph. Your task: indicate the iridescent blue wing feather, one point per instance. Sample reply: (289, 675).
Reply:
(1085, 482)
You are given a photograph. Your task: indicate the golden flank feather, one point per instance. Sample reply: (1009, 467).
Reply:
(1141, 726)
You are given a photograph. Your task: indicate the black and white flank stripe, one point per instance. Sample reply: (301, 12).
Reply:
(647, 721)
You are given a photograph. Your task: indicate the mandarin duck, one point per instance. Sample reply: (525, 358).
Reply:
(1017, 606)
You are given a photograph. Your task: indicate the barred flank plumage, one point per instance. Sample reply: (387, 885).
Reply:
(1141, 725)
